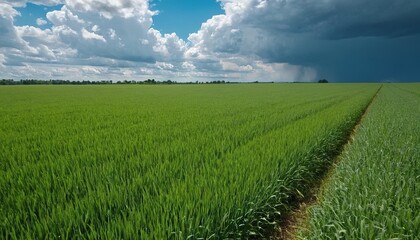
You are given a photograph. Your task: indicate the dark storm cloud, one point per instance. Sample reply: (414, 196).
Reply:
(337, 19)
(344, 40)
(363, 59)
(353, 59)
(293, 40)
(375, 18)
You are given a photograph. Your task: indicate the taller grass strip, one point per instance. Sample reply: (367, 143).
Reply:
(374, 191)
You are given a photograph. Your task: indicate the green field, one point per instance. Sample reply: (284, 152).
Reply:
(171, 161)
(375, 191)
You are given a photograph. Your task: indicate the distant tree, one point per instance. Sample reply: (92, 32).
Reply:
(323, 81)
(150, 81)
(168, 82)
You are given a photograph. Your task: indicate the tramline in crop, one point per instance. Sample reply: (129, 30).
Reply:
(159, 162)
(372, 193)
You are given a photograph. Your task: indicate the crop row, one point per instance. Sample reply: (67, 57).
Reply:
(374, 191)
(159, 162)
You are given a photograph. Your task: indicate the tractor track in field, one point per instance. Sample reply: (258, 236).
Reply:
(297, 218)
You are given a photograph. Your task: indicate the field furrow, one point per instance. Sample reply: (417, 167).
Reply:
(373, 192)
(159, 162)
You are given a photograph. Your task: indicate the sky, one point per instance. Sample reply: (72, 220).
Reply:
(206, 40)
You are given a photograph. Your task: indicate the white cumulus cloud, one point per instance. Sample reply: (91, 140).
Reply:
(91, 35)
(41, 21)
(254, 40)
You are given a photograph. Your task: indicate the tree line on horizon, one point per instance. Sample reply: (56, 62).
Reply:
(102, 82)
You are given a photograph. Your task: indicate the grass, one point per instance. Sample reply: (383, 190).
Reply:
(374, 191)
(165, 162)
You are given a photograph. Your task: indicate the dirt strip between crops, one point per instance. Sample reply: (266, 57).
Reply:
(298, 218)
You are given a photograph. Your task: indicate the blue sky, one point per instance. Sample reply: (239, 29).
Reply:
(31, 12)
(198, 40)
(180, 16)
(183, 16)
